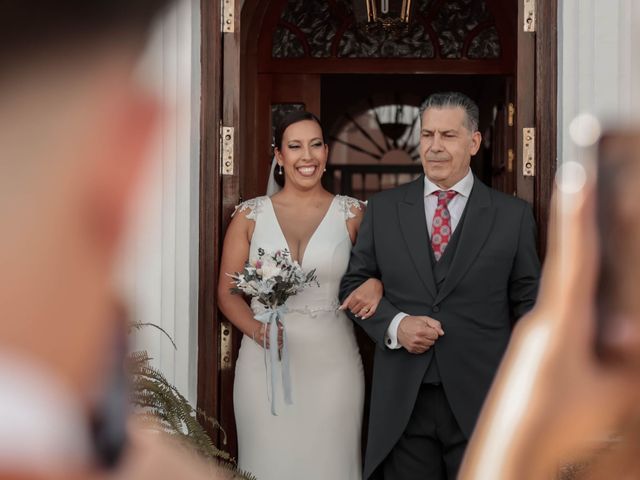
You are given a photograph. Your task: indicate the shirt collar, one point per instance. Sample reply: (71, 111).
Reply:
(463, 187)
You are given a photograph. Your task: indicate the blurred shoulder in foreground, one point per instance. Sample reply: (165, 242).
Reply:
(75, 125)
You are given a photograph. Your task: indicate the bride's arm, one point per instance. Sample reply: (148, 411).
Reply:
(363, 267)
(364, 300)
(235, 252)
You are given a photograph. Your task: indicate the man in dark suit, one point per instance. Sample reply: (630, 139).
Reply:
(459, 266)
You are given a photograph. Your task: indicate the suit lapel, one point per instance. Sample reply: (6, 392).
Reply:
(476, 227)
(413, 225)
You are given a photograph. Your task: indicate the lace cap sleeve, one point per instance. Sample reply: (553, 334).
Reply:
(254, 206)
(347, 204)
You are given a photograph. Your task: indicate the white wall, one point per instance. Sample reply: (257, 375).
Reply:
(160, 261)
(598, 63)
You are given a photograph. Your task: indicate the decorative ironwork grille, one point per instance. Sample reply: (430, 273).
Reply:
(454, 29)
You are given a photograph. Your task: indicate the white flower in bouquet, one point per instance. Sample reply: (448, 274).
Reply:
(269, 270)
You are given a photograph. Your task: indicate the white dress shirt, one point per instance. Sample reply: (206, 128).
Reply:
(41, 423)
(456, 209)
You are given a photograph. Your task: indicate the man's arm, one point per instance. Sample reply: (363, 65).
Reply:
(362, 266)
(525, 273)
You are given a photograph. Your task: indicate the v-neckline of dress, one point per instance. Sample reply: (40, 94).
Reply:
(308, 243)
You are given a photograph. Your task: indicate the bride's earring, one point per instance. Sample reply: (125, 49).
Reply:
(279, 169)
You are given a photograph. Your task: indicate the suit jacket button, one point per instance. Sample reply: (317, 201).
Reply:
(388, 341)
(436, 309)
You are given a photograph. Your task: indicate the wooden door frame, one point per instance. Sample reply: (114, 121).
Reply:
(213, 206)
(546, 114)
(210, 210)
(259, 19)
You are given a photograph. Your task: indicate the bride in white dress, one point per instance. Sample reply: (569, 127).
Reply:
(318, 436)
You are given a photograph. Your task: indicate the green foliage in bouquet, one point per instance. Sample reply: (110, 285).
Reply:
(166, 408)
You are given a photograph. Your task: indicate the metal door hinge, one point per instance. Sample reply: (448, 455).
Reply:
(228, 17)
(511, 114)
(529, 152)
(529, 15)
(510, 158)
(226, 333)
(226, 150)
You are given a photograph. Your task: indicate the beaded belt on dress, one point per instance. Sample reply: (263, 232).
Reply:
(313, 310)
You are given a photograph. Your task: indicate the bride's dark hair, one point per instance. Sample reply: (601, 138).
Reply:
(287, 120)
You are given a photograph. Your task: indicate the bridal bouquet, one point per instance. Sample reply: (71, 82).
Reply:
(271, 279)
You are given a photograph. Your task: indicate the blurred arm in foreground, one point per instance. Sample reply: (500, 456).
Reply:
(553, 400)
(74, 131)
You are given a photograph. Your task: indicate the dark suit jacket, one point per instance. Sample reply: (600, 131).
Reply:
(492, 281)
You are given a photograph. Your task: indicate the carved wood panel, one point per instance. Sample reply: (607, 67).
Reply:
(455, 29)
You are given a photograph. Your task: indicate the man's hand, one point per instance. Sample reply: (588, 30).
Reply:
(417, 334)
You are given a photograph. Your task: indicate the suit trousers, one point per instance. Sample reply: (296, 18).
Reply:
(432, 445)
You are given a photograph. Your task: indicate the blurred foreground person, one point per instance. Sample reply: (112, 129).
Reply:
(74, 129)
(554, 402)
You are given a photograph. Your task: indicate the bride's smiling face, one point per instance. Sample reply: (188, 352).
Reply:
(303, 154)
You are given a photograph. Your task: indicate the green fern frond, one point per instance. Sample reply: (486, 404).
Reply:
(140, 325)
(161, 405)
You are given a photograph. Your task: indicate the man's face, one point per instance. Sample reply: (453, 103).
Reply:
(446, 145)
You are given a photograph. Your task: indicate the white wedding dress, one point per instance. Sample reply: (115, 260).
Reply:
(318, 436)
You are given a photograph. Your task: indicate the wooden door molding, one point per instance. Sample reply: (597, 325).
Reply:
(210, 212)
(386, 65)
(503, 12)
(536, 92)
(546, 107)
(252, 114)
(525, 102)
(228, 337)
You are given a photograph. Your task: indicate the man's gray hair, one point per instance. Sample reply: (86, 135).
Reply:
(453, 100)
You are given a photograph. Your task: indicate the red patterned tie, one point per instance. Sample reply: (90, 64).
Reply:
(441, 225)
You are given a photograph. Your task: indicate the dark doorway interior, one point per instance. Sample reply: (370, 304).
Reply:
(373, 125)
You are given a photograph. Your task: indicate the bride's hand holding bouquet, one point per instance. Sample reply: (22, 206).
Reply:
(271, 279)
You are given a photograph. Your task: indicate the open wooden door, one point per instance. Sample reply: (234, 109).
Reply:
(536, 118)
(546, 118)
(236, 128)
(525, 102)
(219, 193)
(209, 209)
(230, 132)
